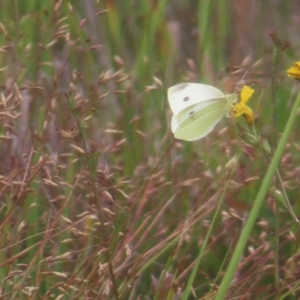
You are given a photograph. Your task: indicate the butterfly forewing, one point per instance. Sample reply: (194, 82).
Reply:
(184, 95)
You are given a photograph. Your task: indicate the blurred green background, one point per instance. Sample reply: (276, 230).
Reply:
(97, 199)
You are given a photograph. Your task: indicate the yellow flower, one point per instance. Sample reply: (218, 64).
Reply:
(241, 108)
(294, 71)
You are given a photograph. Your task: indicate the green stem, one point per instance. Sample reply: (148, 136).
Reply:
(257, 204)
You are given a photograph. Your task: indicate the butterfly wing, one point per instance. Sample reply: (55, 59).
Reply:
(184, 95)
(199, 121)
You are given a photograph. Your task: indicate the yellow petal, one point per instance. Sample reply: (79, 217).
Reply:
(241, 108)
(238, 109)
(297, 65)
(294, 71)
(246, 94)
(248, 114)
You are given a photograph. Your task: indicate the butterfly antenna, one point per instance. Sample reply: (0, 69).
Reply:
(241, 82)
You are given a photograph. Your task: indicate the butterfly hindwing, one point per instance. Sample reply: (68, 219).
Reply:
(190, 111)
(199, 123)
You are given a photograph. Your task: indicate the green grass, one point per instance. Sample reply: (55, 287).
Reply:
(97, 199)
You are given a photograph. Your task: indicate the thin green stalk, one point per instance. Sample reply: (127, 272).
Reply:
(276, 250)
(291, 291)
(277, 227)
(273, 97)
(205, 9)
(287, 201)
(258, 203)
(203, 247)
(285, 196)
(274, 87)
(91, 165)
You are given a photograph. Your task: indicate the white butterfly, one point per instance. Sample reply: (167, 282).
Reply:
(197, 108)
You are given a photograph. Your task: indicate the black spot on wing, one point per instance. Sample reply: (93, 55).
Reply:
(191, 114)
(186, 98)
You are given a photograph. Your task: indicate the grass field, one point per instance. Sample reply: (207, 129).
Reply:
(97, 198)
